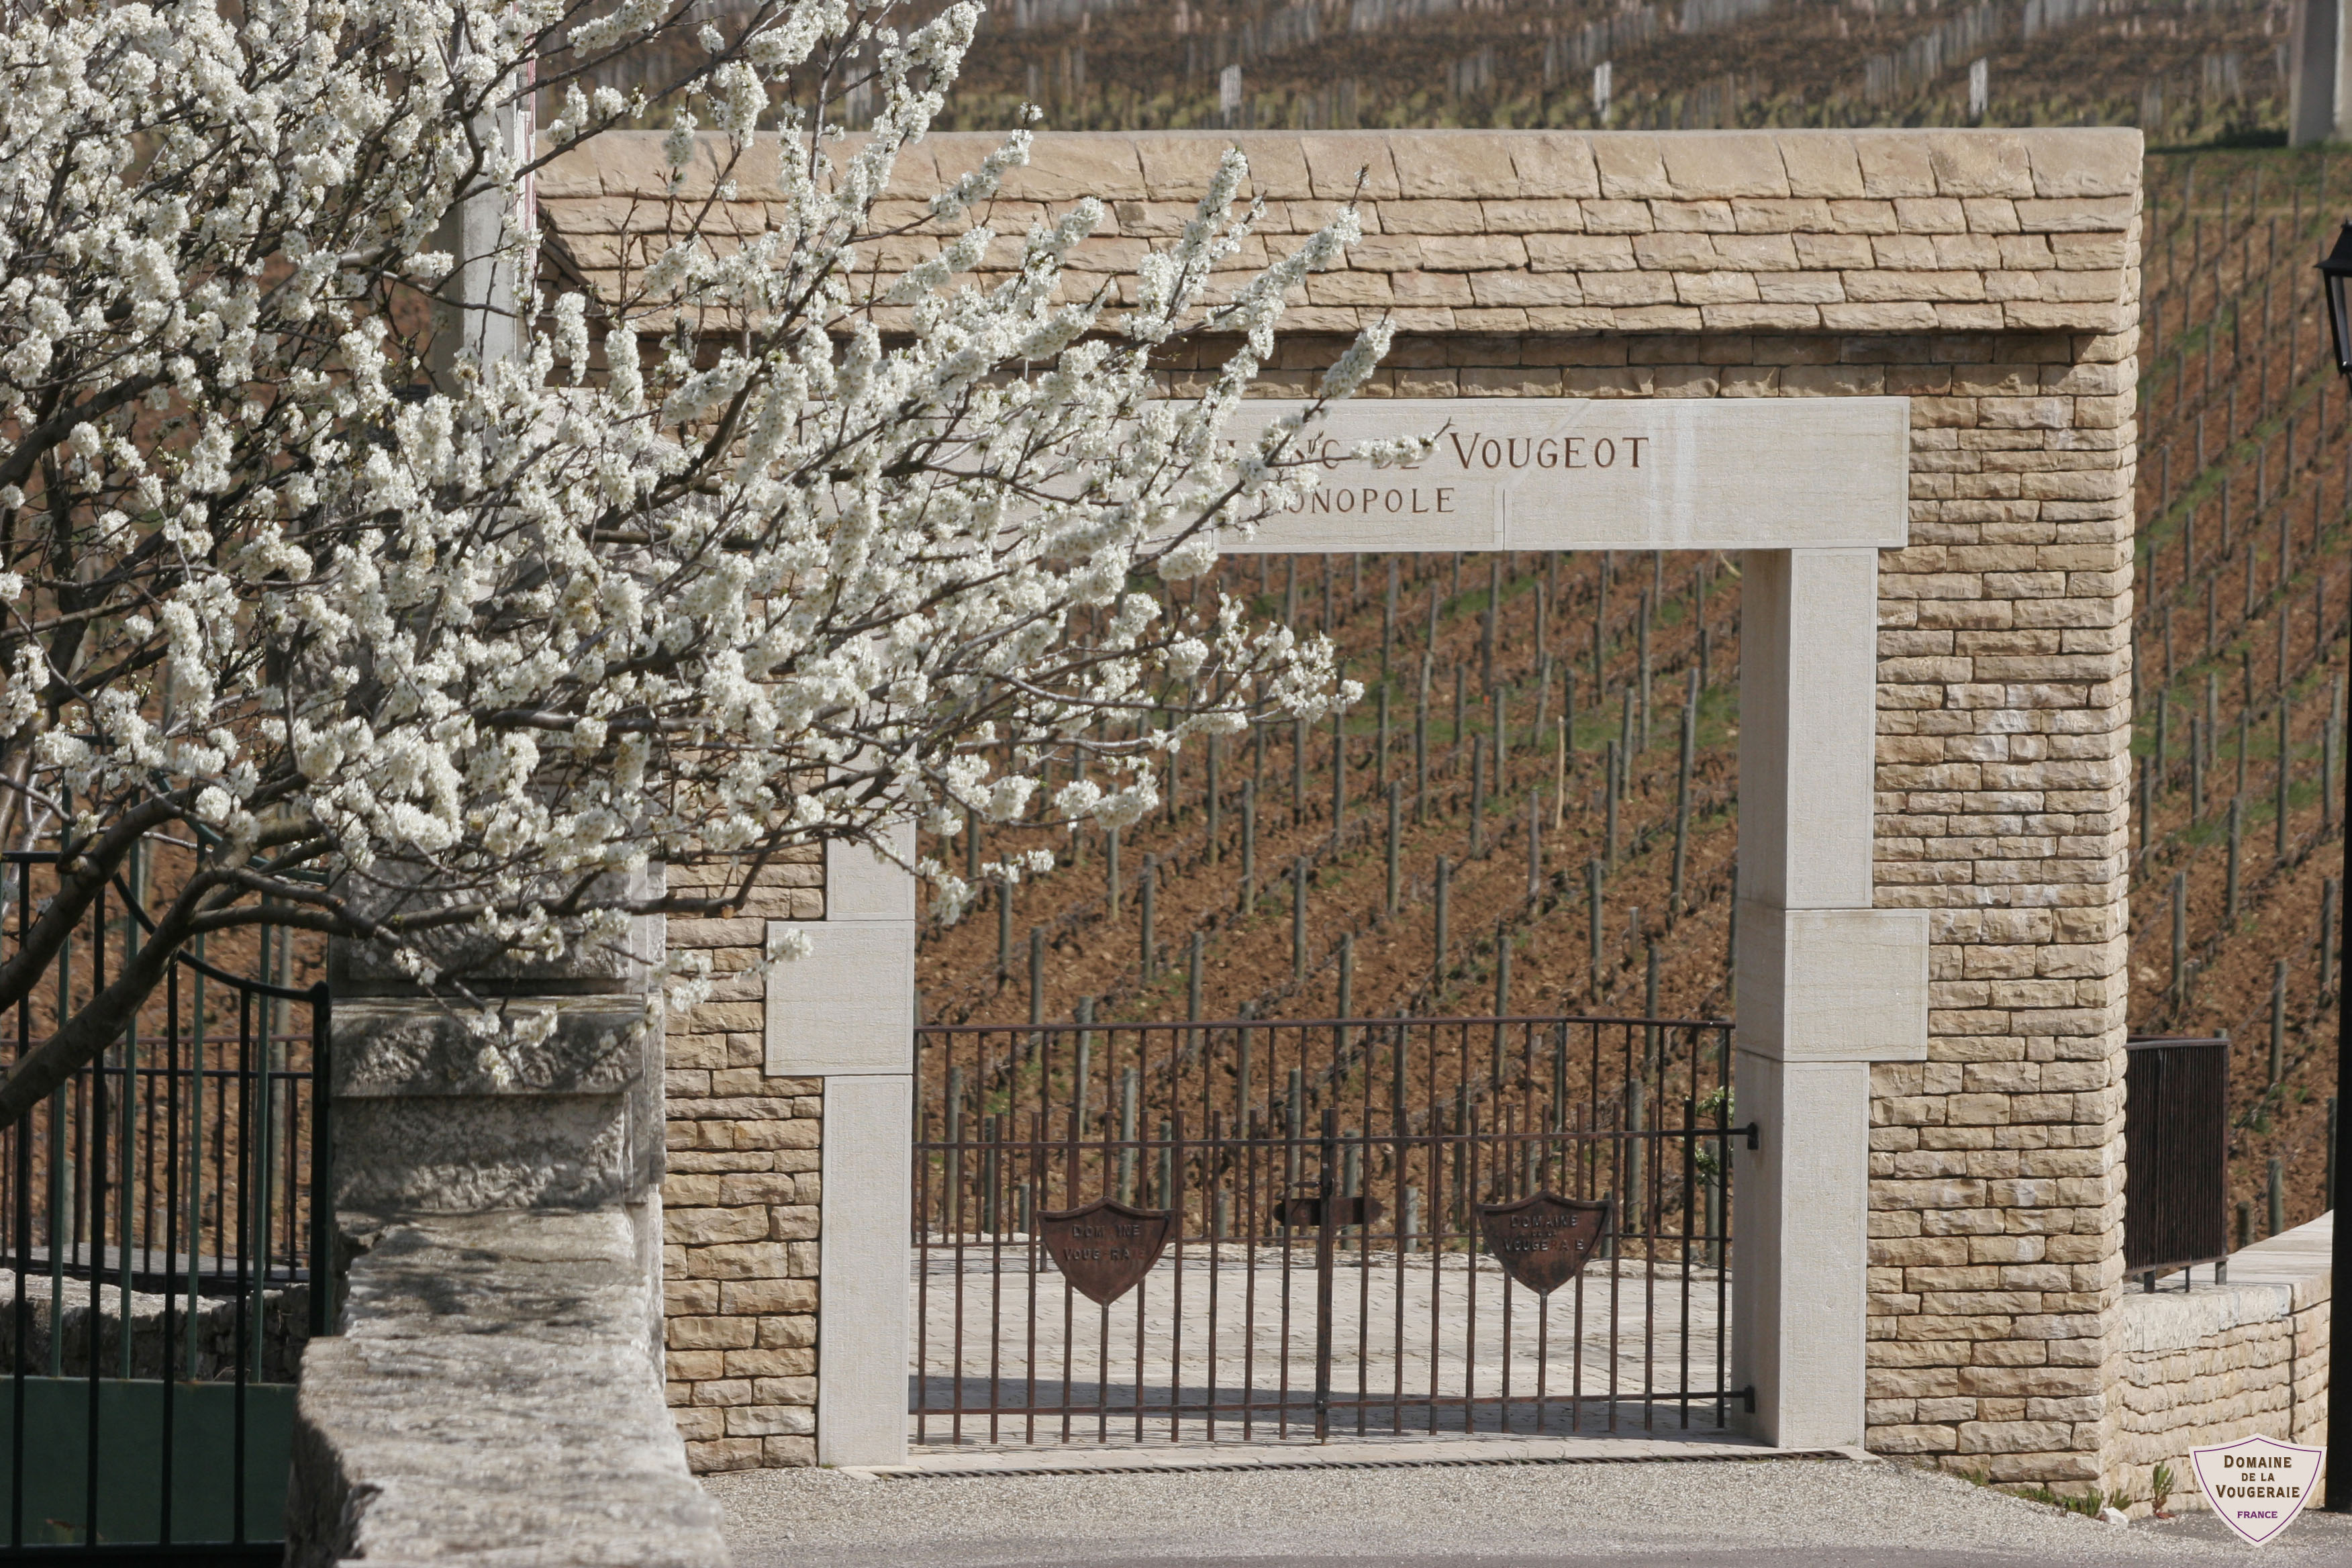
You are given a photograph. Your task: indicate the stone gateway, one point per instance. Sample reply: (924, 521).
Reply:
(1897, 369)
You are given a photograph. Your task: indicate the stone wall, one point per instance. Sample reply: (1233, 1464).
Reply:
(1997, 1199)
(740, 1205)
(499, 1220)
(529, 1327)
(221, 1323)
(2248, 1357)
(1991, 277)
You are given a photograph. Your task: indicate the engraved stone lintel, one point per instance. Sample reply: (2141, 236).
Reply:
(1578, 473)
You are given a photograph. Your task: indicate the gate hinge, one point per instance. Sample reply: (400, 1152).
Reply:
(1748, 1398)
(1753, 1129)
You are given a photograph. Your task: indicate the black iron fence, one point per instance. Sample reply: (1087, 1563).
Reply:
(1254, 1230)
(162, 1237)
(2176, 1149)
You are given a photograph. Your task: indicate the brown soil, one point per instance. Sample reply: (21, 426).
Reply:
(1248, 958)
(2259, 264)
(1517, 63)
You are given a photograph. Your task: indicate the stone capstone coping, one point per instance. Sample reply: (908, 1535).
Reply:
(2269, 1281)
(1509, 231)
(493, 1397)
(400, 1049)
(431, 1120)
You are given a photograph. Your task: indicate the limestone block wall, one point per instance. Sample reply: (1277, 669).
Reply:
(1990, 277)
(740, 1205)
(2248, 1357)
(1997, 1200)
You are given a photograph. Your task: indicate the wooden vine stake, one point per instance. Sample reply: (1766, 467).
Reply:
(1682, 810)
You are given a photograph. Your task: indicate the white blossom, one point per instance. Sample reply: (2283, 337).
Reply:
(481, 643)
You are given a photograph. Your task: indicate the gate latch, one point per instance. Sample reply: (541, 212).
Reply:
(1307, 1213)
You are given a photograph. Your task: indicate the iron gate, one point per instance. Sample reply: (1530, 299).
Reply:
(161, 1236)
(1253, 1231)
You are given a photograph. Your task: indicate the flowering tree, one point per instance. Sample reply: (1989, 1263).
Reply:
(406, 632)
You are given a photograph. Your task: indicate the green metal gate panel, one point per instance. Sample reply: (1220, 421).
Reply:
(204, 1460)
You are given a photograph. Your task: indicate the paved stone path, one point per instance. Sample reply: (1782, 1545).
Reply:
(1411, 1344)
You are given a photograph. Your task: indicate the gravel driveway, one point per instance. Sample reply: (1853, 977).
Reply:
(1781, 1514)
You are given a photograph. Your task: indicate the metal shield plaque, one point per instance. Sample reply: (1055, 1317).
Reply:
(1104, 1248)
(1542, 1241)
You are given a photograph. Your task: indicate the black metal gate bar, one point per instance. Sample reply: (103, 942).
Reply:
(1221, 1126)
(210, 1151)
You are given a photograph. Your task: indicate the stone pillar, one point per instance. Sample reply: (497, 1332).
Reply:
(1826, 985)
(739, 1203)
(430, 1120)
(429, 1117)
(2005, 779)
(2317, 89)
(846, 1015)
(496, 1375)
(486, 325)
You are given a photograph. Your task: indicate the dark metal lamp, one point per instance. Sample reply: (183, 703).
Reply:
(2335, 269)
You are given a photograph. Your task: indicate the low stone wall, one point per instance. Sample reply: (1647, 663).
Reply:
(2216, 1363)
(284, 1329)
(493, 1395)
